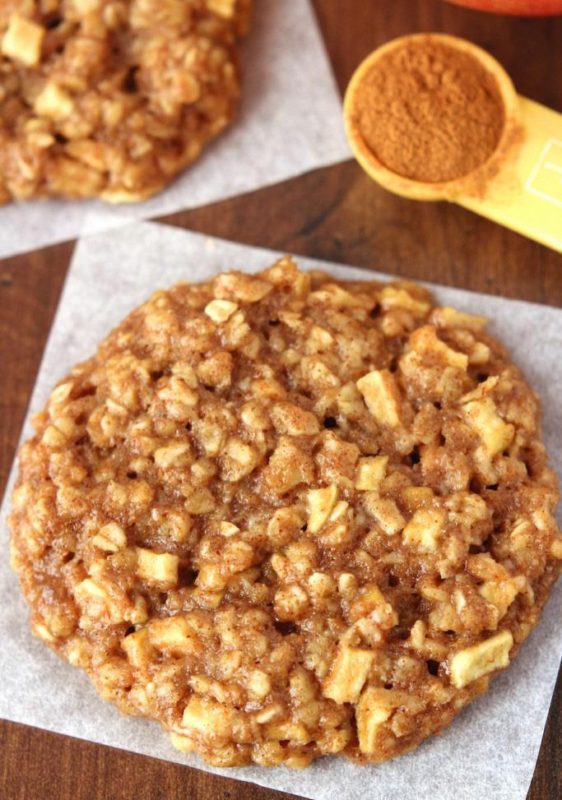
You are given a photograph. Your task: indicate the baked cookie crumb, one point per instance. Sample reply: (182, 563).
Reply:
(288, 516)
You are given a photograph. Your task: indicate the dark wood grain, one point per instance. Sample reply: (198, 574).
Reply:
(336, 214)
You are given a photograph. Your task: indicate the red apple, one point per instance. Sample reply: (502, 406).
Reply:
(527, 8)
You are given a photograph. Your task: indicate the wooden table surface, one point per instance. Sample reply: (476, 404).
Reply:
(334, 213)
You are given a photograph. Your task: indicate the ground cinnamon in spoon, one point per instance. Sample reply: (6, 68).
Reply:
(428, 111)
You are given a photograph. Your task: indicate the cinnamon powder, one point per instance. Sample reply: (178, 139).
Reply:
(429, 112)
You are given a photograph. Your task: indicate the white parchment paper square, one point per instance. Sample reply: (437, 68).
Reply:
(488, 752)
(289, 122)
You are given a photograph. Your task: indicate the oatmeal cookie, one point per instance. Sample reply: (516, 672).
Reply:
(112, 98)
(287, 516)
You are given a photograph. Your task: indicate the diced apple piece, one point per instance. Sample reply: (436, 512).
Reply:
(240, 459)
(472, 663)
(386, 513)
(220, 310)
(207, 717)
(246, 288)
(370, 472)
(288, 466)
(446, 317)
(424, 529)
(171, 633)
(110, 537)
(184, 744)
(171, 455)
(137, 647)
(397, 297)
(321, 503)
(381, 396)
(259, 684)
(95, 602)
(502, 593)
(293, 420)
(88, 588)
(339, 523)
(288, 731)
(375, 707)
(23, 40)
(54, 102)
(372, 602)
(227, 529)
(348, 674)
(479, 354)
(495, 434)
(157, 567)
(425, 342)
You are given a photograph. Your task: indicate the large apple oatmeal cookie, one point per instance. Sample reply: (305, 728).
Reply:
(112, 98)
(287, 516)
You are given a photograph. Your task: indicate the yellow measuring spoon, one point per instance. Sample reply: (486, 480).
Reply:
(519, 186)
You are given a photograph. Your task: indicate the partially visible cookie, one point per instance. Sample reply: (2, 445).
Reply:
(112, 98)
(289, 517)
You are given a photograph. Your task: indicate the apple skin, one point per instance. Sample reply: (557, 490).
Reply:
(524, 8)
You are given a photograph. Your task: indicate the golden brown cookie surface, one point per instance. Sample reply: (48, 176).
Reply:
(287, 517)
(112, 98)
